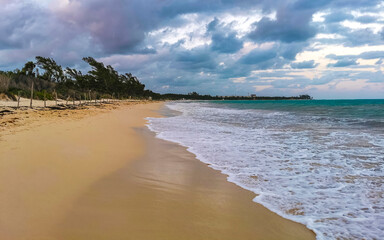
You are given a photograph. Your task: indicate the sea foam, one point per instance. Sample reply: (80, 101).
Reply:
(319, 171)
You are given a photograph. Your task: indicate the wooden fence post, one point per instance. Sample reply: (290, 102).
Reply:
(45, 99)
(18, 99)
(30, 104)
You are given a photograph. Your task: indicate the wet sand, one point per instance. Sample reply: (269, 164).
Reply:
(108, 177)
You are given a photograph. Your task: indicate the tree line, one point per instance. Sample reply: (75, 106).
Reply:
(50, 80)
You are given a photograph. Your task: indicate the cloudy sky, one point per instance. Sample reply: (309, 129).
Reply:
(325, 48)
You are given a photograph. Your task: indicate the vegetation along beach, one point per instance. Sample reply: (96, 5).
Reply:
(191, 120)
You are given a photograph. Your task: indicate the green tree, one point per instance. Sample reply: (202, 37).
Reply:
(81, 81)
(52, 71)
(28, 69)
(105, 78)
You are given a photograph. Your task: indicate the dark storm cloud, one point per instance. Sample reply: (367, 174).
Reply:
(364, 55)
(352, 37)
(173, 8)
(354, 4)
(275, 57)
(195, 59)
(224, 39)
(281, 53)
(100, 27)
(258, 56)
(293, 20)
(328, 78)
(20, 25)
(235, 70)
(291, 25)
(366, 19)
(305, 64)
(343, 63)
(28, 30)
(120, 26)
(290, 50)
(226, 43)
(305, 4)
(335, 4)
(335, 17)
(213, 25)
(372, 55)
(361, 37)
(340, 57)
(382, 33)
(374, 77)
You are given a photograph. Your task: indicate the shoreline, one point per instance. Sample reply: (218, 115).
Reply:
(152, 189)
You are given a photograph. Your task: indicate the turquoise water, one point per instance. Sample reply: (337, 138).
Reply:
(360, 108)
(317, 162)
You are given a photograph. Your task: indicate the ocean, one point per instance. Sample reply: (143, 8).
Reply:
(316, 162)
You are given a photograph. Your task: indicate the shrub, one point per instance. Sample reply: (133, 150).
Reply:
(4, 83)
(40, 95)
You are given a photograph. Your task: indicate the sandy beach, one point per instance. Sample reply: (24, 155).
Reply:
(100, 173)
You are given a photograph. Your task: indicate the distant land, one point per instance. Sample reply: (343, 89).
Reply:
(44, 79)
(196, 96)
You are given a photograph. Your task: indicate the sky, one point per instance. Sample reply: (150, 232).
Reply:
(328, 49)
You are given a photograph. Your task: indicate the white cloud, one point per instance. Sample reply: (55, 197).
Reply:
(375, 27)
(259, 88)
(239, 80)
(328, 36)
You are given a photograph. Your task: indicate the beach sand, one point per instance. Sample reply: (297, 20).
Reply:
(105, 176)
